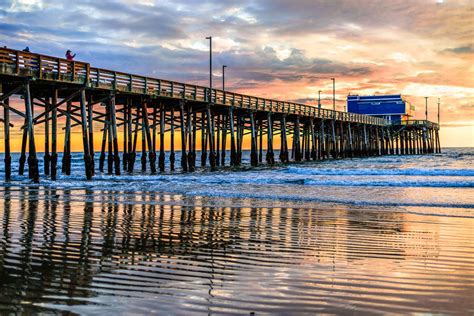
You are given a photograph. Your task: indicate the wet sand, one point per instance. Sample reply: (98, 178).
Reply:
(111, 252)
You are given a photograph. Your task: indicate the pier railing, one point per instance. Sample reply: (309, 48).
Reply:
(43, 67)
(425, 123)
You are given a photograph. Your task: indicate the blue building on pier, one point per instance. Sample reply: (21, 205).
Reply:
(393, 107)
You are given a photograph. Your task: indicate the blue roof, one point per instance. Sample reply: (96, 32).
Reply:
(392, 104)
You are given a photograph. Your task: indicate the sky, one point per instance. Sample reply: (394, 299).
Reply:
(281, 49)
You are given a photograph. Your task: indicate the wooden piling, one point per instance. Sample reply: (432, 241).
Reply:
(153, 145)
(90, 125)
(149, 141)
(130, 140)
(161, 158)
(284, 144)
(218, 138)
(115, 135)
(233, 151)
(125, 137)
(184, 156)
(104, 141)
(172, 153)
(313, 139)
(6, 133)
(203, 139)
(296, 139)
(192, 138)
(240, 134)
(260, 141)
(54, 136)
(270, 157)
(210, 133)
(253, 146)
(32, 159)
(85, 140)
(143, 158)
(225, 122)
(47, 156)
(324, 150)
(66, 161)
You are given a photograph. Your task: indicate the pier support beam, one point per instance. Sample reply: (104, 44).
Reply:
(90, 123)
(172, 153)
(270, 157)
(6, 133)
(66, 162)
(284, 143)
(184, 156)
(210, 133)
(225, 121)
(161, 159)
(32, 159)
(130, 148)
(54, 136)
(313, 139)
(104, 140)
(296, 140)
(253, 152)
(85, 140)
(47, 156)
(192, 138)
(233, 151)
(149, 144)
(113, 118)
(217, 124)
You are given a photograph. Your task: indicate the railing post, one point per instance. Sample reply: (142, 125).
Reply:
(73, 70)
(58, 64)
(88, 74)
(40, 67)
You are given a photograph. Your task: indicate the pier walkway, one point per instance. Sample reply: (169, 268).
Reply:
(58, 92)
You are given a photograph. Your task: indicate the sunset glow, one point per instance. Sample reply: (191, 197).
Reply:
(280, 49)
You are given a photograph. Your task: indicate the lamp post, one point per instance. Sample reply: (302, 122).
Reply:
(333, 94)
(210, 67)
(223, 77)
(426, 108)
(439, 101)
(319, 99)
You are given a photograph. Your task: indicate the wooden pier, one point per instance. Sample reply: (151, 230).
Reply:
(58, 92)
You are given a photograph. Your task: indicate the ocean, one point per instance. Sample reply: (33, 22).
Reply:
(375, 235)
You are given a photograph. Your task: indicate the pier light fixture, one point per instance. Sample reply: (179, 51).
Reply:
(210, 67)
(333, 94)
(439, 103)
(426, 108)
(319, 99)
(223, 77)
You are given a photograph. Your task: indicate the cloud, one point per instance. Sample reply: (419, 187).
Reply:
(468, 49)
(276, 48)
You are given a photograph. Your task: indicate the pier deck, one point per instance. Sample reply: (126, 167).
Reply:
(57, 92)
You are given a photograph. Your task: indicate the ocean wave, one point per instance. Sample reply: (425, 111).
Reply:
(287, 177)
(380, 171)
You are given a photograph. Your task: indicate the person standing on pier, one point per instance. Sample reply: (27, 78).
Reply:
(69, 56)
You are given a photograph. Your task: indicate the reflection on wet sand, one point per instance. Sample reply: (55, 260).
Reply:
(88, 251)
